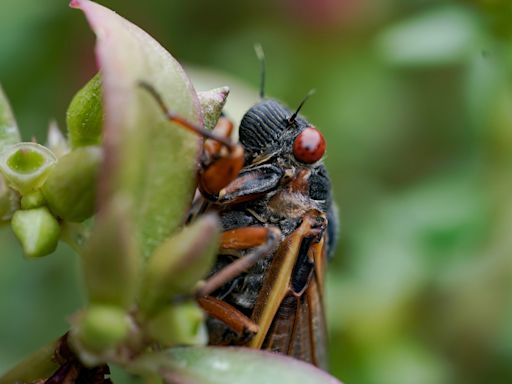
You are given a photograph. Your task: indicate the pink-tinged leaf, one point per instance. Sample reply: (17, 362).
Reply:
(147, 159)
(217, 365)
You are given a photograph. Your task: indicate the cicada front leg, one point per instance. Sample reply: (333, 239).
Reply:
(221, 159)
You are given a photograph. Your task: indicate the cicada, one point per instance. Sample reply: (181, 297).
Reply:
(273, 195)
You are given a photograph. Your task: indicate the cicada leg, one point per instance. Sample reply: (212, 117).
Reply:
(262, 241)
(221, 159)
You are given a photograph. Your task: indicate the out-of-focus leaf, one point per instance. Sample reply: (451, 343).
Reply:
(110, 258)
(40, 363)
(85, 115)
(230, 366)
(148, 159)
(8, 129)
(442, 36)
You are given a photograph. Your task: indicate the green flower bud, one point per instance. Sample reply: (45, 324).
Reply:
(181, 324)
(32, 200)
(25, 166)
(70, 190)
(179, 262)
(85, 115)
(212, 103)
(37, 230)
(102, 327)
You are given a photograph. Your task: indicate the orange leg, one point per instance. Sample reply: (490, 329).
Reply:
(263, 240)
(228, 314)
(219, 165)
(221, 160)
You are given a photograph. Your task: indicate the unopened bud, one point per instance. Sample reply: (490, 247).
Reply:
(37, 230)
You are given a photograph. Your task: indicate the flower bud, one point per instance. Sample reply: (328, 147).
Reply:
(102, 327)
(37, 230)
(32, 200)
(179, 262)
(70, 190)
(26, 166)
(180, 324)
(212, 103)
(85, 115)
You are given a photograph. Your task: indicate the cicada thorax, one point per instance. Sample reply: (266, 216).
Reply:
(279, 187)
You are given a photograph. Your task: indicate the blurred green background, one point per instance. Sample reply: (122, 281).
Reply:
(415, 100)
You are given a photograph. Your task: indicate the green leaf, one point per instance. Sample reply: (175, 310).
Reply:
(149, 160)
(70, 189)
(85, 115)
(8, 129)
(212, 365)
(110, 258)
(442, 36)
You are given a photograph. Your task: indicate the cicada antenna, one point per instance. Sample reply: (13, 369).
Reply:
(180, 120)
(292, 118)
(261, 58)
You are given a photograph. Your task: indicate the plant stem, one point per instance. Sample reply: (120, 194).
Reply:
(39, 365)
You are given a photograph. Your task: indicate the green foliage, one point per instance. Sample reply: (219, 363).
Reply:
(8, 129)
(418, 150)
(230, 365)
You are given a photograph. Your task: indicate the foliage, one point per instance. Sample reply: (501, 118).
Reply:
(418, 150)
(118, 193)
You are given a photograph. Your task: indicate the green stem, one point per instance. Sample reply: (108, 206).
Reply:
(36, 366)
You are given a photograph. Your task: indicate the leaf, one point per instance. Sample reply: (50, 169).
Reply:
(215, 365)
(110, 259)
(8, 129)
(445, 35)
(148, 159)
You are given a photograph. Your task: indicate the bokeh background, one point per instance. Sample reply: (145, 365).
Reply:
(415, 100)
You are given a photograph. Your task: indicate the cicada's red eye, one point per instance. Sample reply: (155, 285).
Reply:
(309, 146)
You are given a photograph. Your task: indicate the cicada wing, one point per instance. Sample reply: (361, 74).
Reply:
(298, 327)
